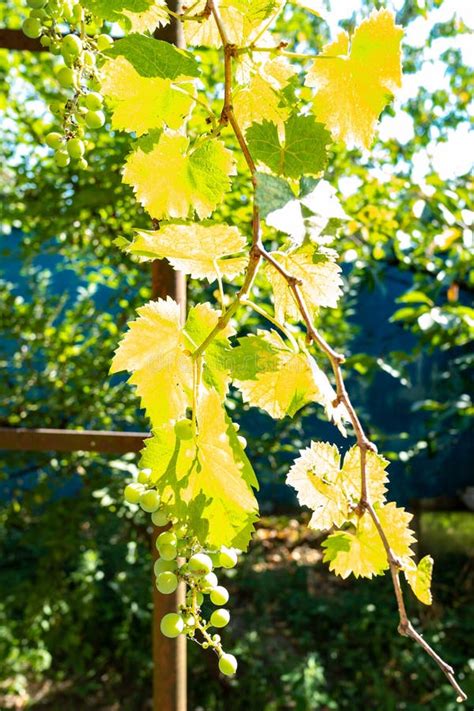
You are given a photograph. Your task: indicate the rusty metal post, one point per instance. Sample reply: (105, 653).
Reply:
(169, 655)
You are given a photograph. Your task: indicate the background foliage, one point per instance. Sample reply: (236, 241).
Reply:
(74, 580)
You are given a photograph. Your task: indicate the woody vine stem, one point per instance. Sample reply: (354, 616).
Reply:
(258, 253)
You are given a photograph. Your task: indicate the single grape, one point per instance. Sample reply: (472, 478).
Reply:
(228, 664)
(166, 582)
(150, 500)
(172, 625)
(88, 58)
(209, 582)
(45, 41)
(167, 551)
(82, 164)
(144, 476)
(32, 27)
(66, 77)
(159, 518)
(183, 429)
(75, 147)
(219, 595)
(54, 140)
(190, 621)
(132, 493)
(166, 537)
(104, 42)
(38, 14)
(220, 618)
(61, 158)
(199, 598)
(72, 44)
(93, 101)
(200, 564)
(227, 557)
(163, 566)
(95, 119)
(77, 13)
(36, 4)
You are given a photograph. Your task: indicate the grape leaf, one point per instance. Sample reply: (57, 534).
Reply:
(155, 58)
(207, 483)
(262, 97)
(137, 15)
(355, 77)
(273, 376)
(201, 250)
(318, 272)
(419, 578)
(360, 551)
(242, 20)
(171, 182)
(302, 152)
(331, 490)
(272, 193)
(161, 101)
(157, 351)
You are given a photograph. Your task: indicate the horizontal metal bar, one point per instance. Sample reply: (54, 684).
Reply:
(44, 440)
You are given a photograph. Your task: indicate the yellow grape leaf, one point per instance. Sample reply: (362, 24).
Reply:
(355, 78)
(331, 490)
(206, 481)
(360, 551)
(262, 98)
(169, 181)
(153, 350)
(318, 272)
(201, 250)
(419, 578)
(242, 19)
(161, 101)
(147, 20)
(138, 15)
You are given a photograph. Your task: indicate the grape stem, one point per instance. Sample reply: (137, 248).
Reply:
(257, 254)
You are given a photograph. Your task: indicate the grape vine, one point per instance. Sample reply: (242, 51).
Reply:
(196, 478)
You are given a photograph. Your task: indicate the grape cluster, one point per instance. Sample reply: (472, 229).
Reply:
(182, 559)
(77, 74)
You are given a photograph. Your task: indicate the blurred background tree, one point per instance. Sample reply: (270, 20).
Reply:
(75, 575)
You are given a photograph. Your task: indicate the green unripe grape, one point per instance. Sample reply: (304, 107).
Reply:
(164, 566)
(95, 119)
(143, 476)
(56, 108)
(172, 625)
(167, 551)
(150, 501)
(184, 429)
(93, 101)
(82, 164)
(36, 4)
(227, 557)
(54, 140)
(166, 538)
(190, 621)
(77, 13)
(159, 518)
(45, 41)
(61, 158)
(88, 58)
(38, 14)
(228, 664)
(200, 564)
(219, 595)
(75, 147)
(32, 27)
(66, 77)
(209, 582)
(166, 582)
(104, 42)
(72, 44)
(220, 618)
(199, 598)
(132, 493)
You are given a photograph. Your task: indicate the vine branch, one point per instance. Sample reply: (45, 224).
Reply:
(259, 253)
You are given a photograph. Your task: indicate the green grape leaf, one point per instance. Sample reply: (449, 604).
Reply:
(171, 182)
(302, 152)
(360, 551)
(154, 58)
(332, 490)
(419, 578)
(205, 482)
(204, 251)
(319, 275)
(355, 77)
(272, 193)
(137, 15)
